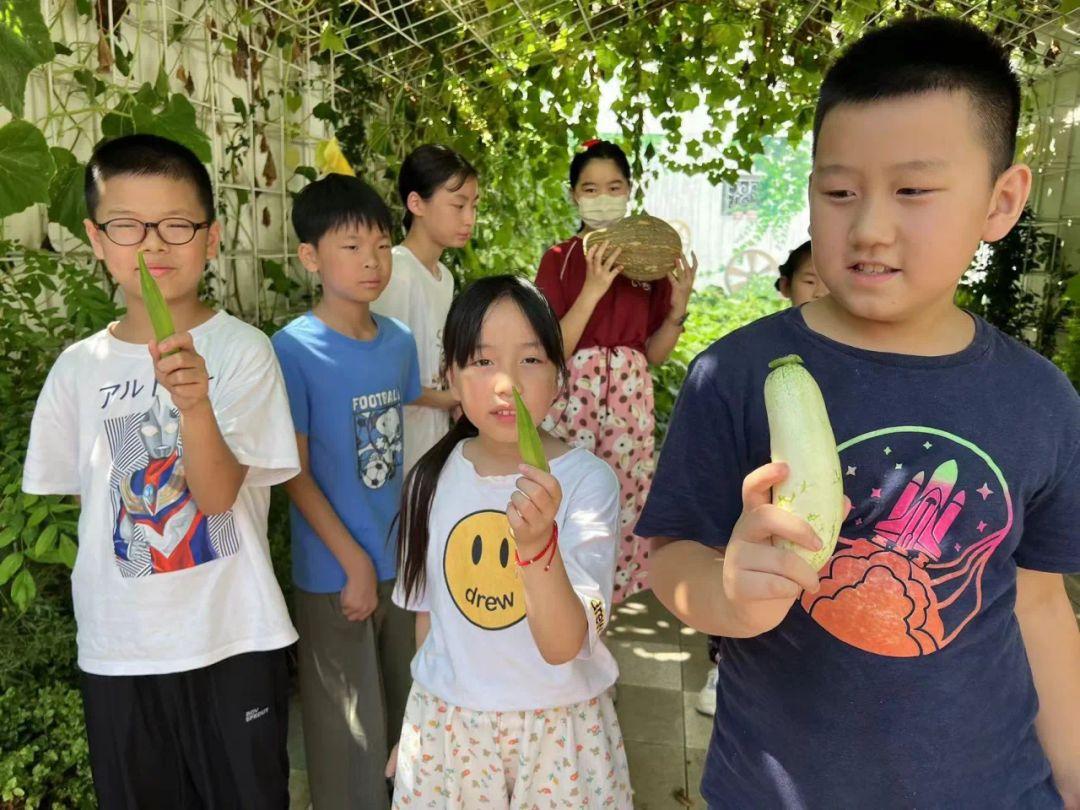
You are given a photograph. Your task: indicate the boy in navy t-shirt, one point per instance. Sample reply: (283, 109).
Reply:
(348, 373)
(934, 661)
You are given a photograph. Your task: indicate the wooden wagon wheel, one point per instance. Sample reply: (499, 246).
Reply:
(746, 264)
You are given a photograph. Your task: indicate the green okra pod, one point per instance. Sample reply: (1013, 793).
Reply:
(160, 317)
(529, 445)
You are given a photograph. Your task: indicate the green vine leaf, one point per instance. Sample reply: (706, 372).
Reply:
(46, 540)
(177, 121)
(68, 551)
(324, 112)
(1072, 289)
(67, 204)
(23, 589)
(26, 167)
(24, 44)
(330, 39)
(10, 564)
(91, 85)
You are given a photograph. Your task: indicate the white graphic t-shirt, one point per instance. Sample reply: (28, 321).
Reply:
(420, 301)
(479, 653)
(158, 585)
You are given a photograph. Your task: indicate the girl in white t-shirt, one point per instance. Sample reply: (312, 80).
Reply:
(510, 571)
(438, 189)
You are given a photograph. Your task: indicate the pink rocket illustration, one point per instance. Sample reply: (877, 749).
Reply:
(923, 514)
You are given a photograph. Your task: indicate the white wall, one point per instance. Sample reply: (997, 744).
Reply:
(288, 138)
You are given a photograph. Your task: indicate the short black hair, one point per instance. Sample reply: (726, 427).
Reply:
(338, 201)
(923, 55)
(794, 261)
(599, 150)
(428, 168)
(145, 156)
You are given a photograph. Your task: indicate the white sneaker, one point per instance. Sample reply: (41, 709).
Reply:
(706, 700)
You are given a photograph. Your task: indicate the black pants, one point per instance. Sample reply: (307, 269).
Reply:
(208, 738)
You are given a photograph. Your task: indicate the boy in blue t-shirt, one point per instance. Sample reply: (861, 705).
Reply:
(934, 660)
(348, 373)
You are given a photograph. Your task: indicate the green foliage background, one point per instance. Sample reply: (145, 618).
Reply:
(755, 66)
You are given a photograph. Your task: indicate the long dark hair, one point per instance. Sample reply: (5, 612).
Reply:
(461, 338)
(427, 169)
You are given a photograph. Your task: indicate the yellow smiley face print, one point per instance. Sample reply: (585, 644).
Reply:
(480, 571)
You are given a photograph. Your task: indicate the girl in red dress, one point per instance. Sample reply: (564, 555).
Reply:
(613, 329)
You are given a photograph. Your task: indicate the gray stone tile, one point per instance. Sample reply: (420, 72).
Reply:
(299, 793)
(657, 774)
(655, 633)
(696, 664)
(642, 617)
(648, 714)
(695, 762)
(646, 663)
(698, 726)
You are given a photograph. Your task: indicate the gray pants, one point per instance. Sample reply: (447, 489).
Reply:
(354, 683)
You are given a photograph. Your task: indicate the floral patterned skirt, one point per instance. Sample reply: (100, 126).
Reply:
(452, 758)
(608, 409)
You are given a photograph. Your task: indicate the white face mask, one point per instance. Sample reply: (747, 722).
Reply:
(602, 210)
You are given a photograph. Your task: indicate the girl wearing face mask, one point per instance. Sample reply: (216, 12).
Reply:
(613, 329)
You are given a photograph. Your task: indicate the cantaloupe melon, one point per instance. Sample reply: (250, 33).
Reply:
(650, 247)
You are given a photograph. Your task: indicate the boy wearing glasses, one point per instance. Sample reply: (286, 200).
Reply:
(172, 449)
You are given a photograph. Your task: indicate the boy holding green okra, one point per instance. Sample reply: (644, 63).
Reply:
(172, 447)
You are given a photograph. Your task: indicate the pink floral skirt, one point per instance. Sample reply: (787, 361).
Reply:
(608, 409)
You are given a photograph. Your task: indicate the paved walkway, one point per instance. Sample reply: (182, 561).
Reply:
(663, 666)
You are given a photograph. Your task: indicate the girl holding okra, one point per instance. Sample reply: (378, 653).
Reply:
(509, 568)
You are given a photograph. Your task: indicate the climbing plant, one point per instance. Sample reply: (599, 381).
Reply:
(752, 69)
(518, 111)
(97, 74)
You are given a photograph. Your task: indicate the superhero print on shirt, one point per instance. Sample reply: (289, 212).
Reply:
(158, 526)
(380, 444)
(929, 510)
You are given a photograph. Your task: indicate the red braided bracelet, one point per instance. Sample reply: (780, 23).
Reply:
(552, 544)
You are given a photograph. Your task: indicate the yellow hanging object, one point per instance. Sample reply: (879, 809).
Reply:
(330, 160)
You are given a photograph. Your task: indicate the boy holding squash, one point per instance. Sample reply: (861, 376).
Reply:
(934, 660)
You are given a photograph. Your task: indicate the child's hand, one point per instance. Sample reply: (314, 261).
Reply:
(391, 762)
(758, 574)
(532, 510)
(600, 270)
(682, 283)
(181, 371)
(360, 596)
